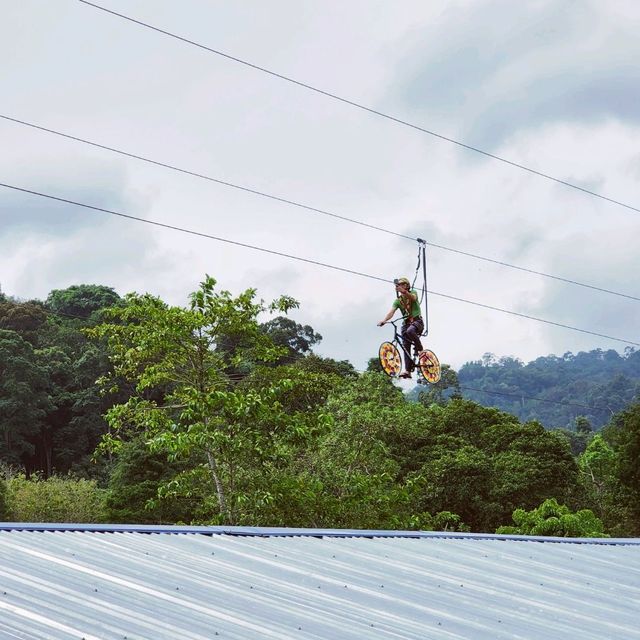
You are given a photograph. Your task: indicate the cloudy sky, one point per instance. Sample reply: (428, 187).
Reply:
(553, 85)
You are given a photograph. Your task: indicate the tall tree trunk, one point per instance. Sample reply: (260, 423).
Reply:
(213, 466)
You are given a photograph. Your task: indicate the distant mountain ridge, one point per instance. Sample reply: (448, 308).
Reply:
(605, 382)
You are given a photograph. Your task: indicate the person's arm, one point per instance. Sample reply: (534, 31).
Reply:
(409, 295)
(387, 317)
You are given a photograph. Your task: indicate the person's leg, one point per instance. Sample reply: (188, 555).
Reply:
(406, 343)
(413, 333)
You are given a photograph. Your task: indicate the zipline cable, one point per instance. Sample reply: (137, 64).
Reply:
(301, 259)
(359, 106)
(310, 208)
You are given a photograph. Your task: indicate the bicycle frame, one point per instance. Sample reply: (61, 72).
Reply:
(397, 339)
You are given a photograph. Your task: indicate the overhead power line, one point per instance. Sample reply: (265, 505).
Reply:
(301, 259)
(520, 396)
(203, 176)
(310, 208)
(358, 105)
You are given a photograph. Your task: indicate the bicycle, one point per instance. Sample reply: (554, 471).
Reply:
(427, 363)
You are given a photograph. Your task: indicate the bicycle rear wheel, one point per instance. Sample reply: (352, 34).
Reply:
(390, 359)
(430, 366)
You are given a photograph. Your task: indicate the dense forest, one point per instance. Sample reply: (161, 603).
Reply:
(593, 385)
(132, 410)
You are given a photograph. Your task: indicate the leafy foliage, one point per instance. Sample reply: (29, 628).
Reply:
(184, 403)
(623, 435)
(553, 519)
(81, 301)
(52, 416)
(602, 381)
(4, 501)
(133, 487)
(56, 499)
(213, 416)
(295, 338)
(23, 398)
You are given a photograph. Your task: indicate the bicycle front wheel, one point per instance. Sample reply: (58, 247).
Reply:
(390, 359)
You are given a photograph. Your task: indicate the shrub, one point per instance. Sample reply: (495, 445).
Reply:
(57, 499)
(4, 502)
(553, 519)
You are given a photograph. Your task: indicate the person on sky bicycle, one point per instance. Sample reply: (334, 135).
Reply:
(413, 326)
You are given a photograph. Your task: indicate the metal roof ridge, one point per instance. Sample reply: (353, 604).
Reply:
(267, 532)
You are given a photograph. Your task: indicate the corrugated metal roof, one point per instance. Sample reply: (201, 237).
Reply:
(101, 585)
(289, 532)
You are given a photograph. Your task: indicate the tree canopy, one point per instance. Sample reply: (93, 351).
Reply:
(603, 382)
(212, 412)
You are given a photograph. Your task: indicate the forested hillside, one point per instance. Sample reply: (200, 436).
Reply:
(132, 410)
(595, 384)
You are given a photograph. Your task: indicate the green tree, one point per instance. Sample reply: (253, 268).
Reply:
(603, 492)
(553, 519)
(64, 367)
(183, 402)
(23, 398)
(623, 434)
(133, 486)
(357, 480)
(583, 425)
(363, 465)
(81, 300)
(25, 318)
(457, 477)
(478, 462)
(4, 501)
(56, 499)
(374, 366)
(440, 392)
(297, 339)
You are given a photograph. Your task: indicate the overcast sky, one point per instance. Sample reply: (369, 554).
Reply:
(553, 85)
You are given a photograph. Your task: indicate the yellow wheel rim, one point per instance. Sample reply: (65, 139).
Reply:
(390, 359)
(430, 366)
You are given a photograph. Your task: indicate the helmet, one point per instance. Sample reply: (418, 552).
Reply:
(402, 281)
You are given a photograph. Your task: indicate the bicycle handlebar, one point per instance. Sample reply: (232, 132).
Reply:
(393, 322)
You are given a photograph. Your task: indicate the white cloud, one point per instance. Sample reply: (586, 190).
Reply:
(97, 77)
